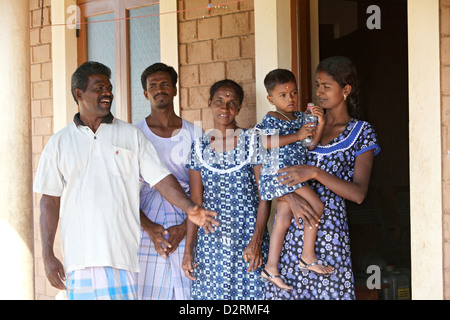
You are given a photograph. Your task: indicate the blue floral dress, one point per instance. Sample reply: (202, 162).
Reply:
(229, 189)
(277, 158)
(333, 242)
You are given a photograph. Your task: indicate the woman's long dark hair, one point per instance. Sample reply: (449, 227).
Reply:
(343, 72)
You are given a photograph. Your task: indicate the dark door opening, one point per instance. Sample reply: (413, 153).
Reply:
(380, 227)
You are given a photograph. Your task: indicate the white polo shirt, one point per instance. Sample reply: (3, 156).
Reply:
(97, 178)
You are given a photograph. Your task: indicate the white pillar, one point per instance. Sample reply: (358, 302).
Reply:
(427, 264)
(272, 45)
(16, 205)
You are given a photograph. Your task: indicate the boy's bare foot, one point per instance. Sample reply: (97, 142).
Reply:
(275, 279)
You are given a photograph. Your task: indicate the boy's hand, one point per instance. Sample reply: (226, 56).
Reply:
(307, 130)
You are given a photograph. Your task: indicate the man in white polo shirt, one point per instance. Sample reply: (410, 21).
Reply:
(88, 176)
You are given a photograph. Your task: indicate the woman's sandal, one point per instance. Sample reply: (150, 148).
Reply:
(270, 277)
(306, 267)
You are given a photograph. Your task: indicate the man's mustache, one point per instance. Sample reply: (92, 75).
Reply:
(160, 94)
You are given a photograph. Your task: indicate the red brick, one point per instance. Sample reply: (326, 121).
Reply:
(198, 97)
(209, 28)
(249, 93)
(212, 72)
(227, 48)
(184, 96)
(195, 9)
(43, 126)
(192, 115)
(183, 55)
(35, 37)
(181, 8)
(240, 69)
(445, 51)
(198, 52)
(246, 117)
(35, 108)
(47, 108)
(235, 24)
(207, 119)
(189, 75)
(247, 5)
(446, 110)
(445, 80)
(219, 9)
(35, 72)
(446, 204)
(248, 46)
(34, 4)
(188, 31)
(41, 90)
(47, 69)
(36, 16)
(45, 35)
(445, 20)
(41, 53)
(37, 144)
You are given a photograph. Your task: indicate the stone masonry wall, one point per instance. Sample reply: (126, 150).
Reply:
(213, 46)
(42, 121)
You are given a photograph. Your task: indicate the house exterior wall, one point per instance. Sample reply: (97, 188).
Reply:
(445, 112)
(212, 46)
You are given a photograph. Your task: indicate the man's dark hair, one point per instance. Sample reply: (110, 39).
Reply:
(157, 67)
(278, 76)
(80, 77)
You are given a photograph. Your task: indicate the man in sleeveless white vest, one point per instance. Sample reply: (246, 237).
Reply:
(163, 224)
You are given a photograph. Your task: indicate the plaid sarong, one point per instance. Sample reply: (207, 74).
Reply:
(101, 283)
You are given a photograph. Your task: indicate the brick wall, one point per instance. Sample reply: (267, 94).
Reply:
(445, 109)
(42, 120)
(213, 46)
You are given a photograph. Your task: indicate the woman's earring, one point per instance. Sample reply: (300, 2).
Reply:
(345, 97)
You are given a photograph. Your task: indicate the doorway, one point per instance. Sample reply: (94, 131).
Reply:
(380, 226)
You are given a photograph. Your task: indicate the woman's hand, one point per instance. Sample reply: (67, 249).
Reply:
(319, 113)
(293, 175)
(188, 266)
(301, 209)
(253, 255)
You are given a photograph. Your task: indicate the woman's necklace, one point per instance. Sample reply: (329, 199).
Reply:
(283, 115)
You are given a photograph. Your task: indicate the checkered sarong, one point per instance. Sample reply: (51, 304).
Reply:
(101, 283)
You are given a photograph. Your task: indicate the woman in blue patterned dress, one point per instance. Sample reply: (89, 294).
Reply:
(284, 131)
(338, 168)
(224, 265)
